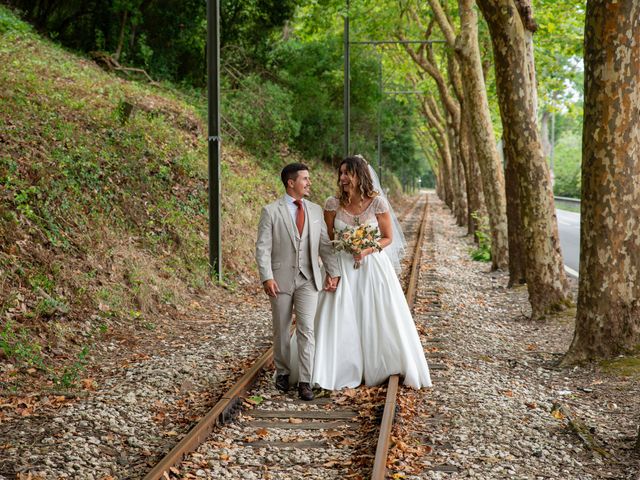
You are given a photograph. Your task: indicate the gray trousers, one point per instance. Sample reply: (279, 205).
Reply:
(304, 299)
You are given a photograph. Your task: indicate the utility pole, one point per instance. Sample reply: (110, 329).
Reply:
(213, 88)
(380, 87)
(347, 84)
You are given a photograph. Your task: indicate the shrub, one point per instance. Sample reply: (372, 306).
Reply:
(482, 252)
(262, 113)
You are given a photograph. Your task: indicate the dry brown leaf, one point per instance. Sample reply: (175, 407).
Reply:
(295, 420)
(262, 432)
(89, 384)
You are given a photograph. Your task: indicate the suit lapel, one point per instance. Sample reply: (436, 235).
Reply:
(313, 227)
(288, 221)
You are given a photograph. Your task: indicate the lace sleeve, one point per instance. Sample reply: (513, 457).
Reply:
(380, 205)
(331, 205)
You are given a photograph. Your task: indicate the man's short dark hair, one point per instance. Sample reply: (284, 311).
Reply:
(290, 172)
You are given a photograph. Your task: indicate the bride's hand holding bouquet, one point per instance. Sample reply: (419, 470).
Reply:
(356, 240)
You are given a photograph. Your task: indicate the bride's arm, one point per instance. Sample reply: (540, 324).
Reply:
(329, 218)
(386, 232)
(386, 229)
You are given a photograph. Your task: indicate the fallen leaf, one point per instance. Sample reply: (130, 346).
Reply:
(262, 432)
(508, 393)
(295, 420)
(89, 384)
(557, 414)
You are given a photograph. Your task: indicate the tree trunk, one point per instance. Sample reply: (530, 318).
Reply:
(544, 133)
(475, 196)
(457, 171)
(123, 27)
(546, 280)
(467, 151)
(517, 274)
(445, 153)
(482, 130)
(608, 317)
(440, 137)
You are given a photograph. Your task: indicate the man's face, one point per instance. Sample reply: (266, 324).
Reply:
(301, 186)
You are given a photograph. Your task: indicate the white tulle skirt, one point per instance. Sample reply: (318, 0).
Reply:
(364, 331)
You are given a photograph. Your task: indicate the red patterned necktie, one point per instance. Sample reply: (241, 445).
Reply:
(299, 216)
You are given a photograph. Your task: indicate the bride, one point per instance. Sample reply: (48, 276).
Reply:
(364, 331)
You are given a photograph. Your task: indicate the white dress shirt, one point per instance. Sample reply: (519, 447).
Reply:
(293, 208)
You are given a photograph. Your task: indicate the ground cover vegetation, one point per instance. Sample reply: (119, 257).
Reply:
(103, 203)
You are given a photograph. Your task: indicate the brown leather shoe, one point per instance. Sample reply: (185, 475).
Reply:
(304, 391)
(282, 383)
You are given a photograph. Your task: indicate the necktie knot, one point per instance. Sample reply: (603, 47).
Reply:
(298, 203)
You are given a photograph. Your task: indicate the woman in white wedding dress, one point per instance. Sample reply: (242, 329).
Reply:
(364, 330)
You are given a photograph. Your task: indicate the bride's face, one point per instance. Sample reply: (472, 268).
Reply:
(348, 181)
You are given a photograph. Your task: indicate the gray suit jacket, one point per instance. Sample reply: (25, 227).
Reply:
(276, 245)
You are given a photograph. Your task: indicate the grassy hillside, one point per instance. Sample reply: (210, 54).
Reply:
(103, 216)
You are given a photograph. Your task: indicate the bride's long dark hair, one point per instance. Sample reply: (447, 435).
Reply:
(356, 165)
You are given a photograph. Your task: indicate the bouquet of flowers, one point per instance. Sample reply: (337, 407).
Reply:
(354, 239)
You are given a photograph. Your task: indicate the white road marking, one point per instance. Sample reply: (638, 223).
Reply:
(571, 271)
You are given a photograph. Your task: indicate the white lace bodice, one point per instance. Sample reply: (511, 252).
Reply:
(377, 206)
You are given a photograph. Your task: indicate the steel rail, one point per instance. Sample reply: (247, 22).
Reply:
(199, 433)
(384, 437)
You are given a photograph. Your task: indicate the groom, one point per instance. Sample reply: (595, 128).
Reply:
(291, 236)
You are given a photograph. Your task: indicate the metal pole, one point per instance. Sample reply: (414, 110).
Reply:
(213, 87)
(380, 118)
(347, 84)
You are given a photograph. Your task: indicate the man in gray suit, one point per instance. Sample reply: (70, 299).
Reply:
(292, 236)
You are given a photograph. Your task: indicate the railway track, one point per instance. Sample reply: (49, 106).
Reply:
(254, 431)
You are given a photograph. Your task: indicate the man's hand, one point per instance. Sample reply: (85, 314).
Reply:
(271, 288)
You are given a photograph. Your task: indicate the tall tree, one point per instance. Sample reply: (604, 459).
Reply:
(608, 317)
(468, 54)
(424, 57)
(510, 24)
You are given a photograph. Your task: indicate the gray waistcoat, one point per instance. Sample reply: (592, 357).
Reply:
(303, 249)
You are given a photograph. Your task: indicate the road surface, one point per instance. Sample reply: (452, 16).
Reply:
(569, 231)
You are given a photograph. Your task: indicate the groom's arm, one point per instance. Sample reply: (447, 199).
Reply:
(264, 244)
(328, 254)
